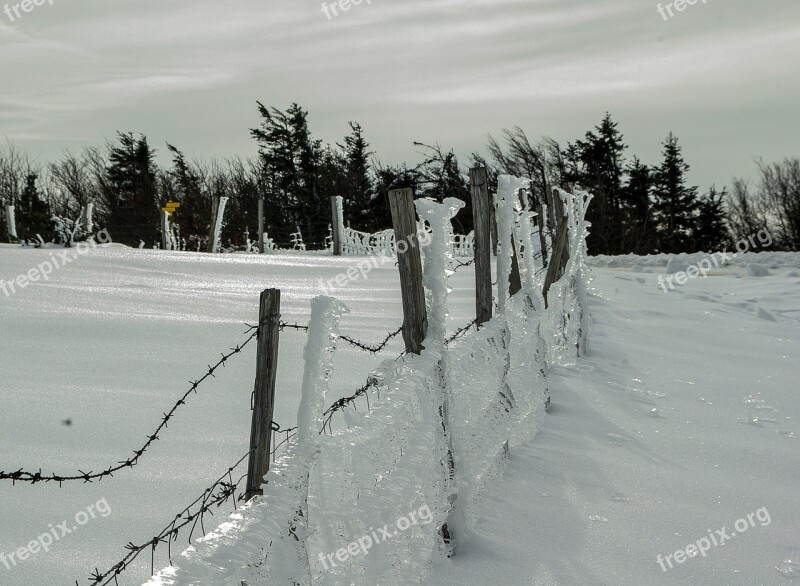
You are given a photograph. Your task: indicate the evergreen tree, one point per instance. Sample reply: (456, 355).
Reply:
(439, 176)
(710, 231)
(132, 193)
(596, 165)
(674, 203)
(638, 235)
(358, 189)
(34, 212)
(290, 157)
(194, 215)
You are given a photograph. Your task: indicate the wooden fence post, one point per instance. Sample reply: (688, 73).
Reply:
(269, 316)
(493, 224)
(415, 316)
(261, 225)
(336, 221)
(483, 244)
(563, 214)
(558, 251)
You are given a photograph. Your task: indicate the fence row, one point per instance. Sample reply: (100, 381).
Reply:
(437, 422)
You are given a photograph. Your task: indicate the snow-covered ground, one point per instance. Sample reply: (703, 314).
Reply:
(682, 419)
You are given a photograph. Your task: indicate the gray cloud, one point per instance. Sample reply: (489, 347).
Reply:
(721, 74)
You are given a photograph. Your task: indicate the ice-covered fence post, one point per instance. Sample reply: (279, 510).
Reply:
(260, 225)
(551, 213)
(269, 317)
(523, 231)
(217, 214)
(337, 223)
(558, 197)
(541, 220)
(212, 241)
(323, 329)
(507, 189)
(166, 241)
(289, 563)
(11, 222)
(415, 318)
(483, 244)
(438, 252)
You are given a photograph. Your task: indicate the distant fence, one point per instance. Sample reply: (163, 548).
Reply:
(426, 429)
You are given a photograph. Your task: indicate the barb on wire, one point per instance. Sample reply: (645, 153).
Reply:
(460, 264)
(460, 332)
(130, 462)
(370, 348)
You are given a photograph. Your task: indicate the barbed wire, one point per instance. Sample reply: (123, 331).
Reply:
(208, 500)
(372, 382)
(35, 477)
(372, 348)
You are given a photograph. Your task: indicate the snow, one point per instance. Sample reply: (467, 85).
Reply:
(755, 269)
(683, 417)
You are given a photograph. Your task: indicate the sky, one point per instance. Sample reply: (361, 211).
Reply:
(721, 74)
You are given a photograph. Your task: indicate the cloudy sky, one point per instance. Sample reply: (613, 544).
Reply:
(722, 74)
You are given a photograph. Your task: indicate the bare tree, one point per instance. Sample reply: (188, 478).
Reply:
(774, 203)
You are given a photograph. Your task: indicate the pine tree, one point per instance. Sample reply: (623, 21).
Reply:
(637, 229)
(439, 177)
(596, 164)
(710, 231)
(358, 186)
(34, 212)
(290, 157)
(132, 193)
(675, 204)
(194, 215)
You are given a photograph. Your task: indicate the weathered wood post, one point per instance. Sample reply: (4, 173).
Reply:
(554, 270)
(337, 221)
(483, 244)
(563, 214)
(493, 226)
(261, 225)
(415, 316)
(269, 317)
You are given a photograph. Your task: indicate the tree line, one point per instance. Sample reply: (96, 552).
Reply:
(637, 208)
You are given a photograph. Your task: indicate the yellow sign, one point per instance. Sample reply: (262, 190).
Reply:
(172, 204)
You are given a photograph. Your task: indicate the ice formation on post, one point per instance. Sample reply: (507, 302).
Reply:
(438, 252)
(223, 201)
(506, 202)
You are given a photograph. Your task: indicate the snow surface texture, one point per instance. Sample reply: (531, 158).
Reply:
(393, 459)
